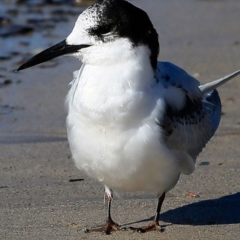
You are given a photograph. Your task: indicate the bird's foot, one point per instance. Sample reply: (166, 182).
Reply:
(152, 226)
(107, 228)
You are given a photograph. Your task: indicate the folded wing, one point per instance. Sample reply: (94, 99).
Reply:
(191, 117)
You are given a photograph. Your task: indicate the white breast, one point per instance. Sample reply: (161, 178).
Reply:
(112, 131)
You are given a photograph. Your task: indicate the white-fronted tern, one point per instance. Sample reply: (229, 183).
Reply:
(134, 124)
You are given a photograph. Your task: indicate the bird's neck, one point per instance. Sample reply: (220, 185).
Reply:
(103, 93)
(131, 69)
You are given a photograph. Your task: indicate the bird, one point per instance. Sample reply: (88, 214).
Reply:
(134, 123)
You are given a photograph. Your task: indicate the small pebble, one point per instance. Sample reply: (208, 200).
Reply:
(193, 195)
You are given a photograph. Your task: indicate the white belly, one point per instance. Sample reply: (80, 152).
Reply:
(130, 161)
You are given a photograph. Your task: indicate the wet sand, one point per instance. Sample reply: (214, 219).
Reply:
(39, 200)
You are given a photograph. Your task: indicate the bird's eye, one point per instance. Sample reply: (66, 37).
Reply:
(103, 30)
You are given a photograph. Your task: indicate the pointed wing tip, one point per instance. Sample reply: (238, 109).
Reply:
(236, 72)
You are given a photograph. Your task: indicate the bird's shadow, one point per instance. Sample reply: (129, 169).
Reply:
(224, 210)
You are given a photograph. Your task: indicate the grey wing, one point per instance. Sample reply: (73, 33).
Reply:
(189, 129)
(190, 118)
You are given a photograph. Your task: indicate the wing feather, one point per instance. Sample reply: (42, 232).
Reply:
(190, 118)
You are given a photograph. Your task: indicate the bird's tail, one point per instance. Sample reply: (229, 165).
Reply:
(208, 87)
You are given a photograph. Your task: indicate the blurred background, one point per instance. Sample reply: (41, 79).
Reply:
(26, 28)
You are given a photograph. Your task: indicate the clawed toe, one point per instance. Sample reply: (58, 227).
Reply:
(153, 226)
(107, 228)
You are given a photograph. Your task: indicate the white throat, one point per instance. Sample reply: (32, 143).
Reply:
(104, 90)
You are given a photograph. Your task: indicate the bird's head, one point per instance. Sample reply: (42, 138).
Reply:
(103, 34)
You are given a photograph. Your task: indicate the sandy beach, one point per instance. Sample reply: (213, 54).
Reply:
(44, 196)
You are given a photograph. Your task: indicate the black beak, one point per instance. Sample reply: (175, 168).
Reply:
(57, 50)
